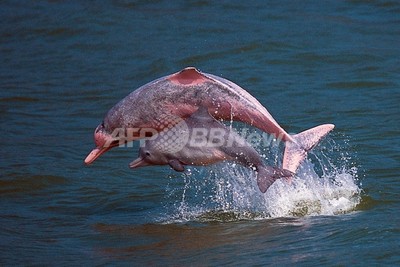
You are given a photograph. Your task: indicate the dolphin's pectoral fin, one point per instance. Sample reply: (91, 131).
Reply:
(176, 165)
(266, 176)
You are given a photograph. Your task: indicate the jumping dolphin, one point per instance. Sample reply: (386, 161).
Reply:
(215, 143)
(180, 94)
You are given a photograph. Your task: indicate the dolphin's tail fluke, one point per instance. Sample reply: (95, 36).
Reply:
(267, 175)
(296, 152)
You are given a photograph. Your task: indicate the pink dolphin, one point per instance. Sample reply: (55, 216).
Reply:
(207, 149)
(180, 94)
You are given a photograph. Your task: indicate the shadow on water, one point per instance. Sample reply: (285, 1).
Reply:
(183, 242)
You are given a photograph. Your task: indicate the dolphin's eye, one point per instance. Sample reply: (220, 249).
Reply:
(147, 154)
(100, 127)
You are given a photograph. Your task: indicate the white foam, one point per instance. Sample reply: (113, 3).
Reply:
(324, 185)
(310, 194)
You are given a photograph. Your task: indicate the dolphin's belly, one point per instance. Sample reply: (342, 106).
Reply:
(201, 156)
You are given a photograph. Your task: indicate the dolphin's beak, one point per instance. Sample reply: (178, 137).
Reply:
(97, 152)
(139, 162)
(104, 142)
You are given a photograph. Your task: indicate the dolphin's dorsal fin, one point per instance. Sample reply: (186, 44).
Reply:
(202, 112)
(176, 165)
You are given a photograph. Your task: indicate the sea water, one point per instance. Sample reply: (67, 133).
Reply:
(64, 64)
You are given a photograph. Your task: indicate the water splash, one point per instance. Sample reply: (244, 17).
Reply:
(325, 184)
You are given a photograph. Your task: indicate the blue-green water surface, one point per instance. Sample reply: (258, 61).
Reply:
(64, 64)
